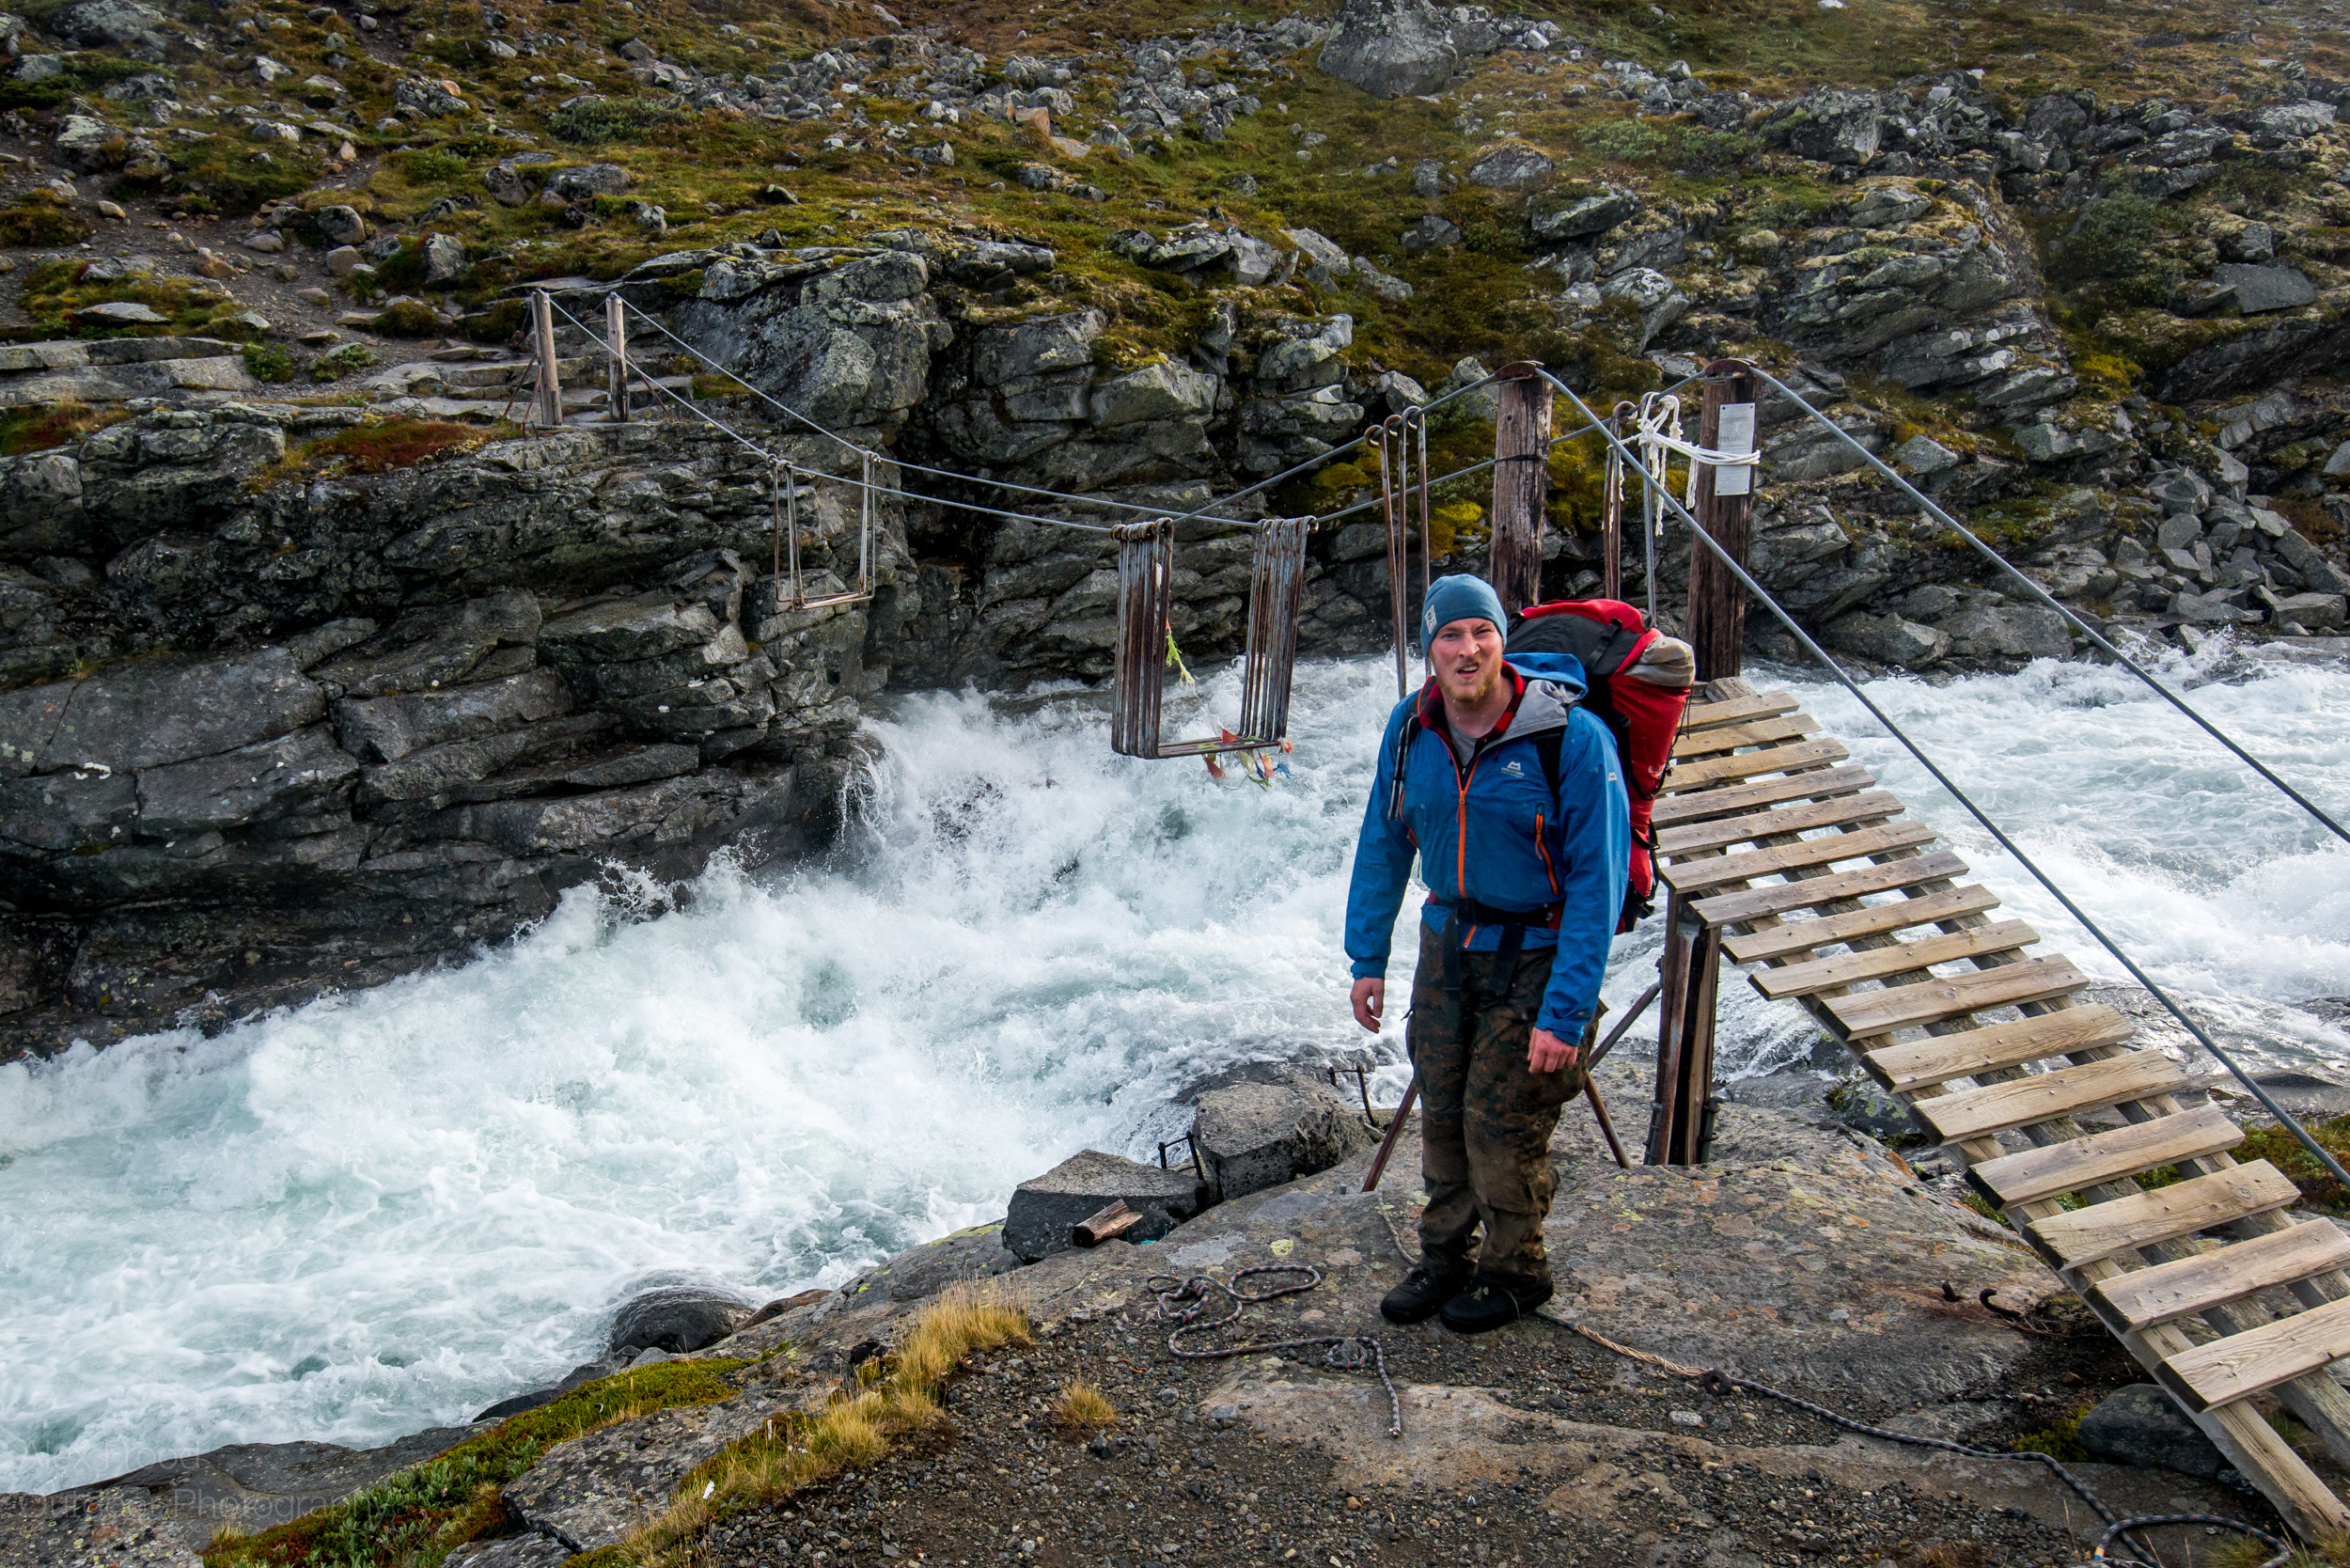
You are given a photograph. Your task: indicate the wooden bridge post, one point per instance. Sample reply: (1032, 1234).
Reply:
(1717, 603)
(616, 337)
(1521, 484)
(1682, 1125)
(547, 405)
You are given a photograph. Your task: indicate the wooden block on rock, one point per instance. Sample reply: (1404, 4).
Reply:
(1115, 1220)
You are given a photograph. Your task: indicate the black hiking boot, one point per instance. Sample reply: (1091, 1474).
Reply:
(1492, 1301)
(1422, 1294)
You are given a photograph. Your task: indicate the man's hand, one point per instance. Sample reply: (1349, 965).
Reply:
(1546, 1053)
(1370, 1000)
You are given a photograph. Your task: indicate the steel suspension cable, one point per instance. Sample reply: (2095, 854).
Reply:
(2284, 1118)
(907, 465)
(765, 456)
(2044, 597)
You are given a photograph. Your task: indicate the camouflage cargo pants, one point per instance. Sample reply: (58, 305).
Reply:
(1485, 1121)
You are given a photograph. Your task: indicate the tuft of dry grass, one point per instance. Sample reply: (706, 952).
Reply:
(2330, 1551)
(39, 427)
(1081, 1405)
(895, 1395)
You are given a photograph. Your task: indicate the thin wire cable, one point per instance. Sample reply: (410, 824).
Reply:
(2050, 600)
(2284, 1118)
(907, 465)
(717, 424)
(765, 456)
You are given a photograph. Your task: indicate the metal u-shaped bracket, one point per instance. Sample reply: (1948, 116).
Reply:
(1138, 676)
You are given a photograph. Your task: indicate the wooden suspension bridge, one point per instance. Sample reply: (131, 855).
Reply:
(1771, 839)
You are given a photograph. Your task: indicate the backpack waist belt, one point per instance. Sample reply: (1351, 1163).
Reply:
(1513, 924)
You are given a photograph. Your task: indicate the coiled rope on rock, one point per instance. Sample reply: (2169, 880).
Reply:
(1344, 1351)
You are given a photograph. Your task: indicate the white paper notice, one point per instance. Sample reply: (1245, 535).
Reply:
(1736, 434)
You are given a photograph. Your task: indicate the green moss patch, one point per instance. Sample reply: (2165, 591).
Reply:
(416, 1518)
(54, 294)
(2280, 1147)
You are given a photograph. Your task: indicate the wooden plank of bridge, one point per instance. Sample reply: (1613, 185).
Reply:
(1748, 824)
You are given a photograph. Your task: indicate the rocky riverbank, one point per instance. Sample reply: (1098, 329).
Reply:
(1807, 1257)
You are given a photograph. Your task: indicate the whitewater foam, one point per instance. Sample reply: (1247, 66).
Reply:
(379, 1211)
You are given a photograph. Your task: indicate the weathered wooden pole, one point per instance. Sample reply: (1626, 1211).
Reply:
(1521, 484)
(615, 336)
(547, 406)
(1690, 967)
(1717, 603)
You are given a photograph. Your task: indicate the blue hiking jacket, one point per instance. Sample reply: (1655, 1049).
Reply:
(1520, 848)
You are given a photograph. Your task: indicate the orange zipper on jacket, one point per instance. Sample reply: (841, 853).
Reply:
(1459, 839)
(1542, 847)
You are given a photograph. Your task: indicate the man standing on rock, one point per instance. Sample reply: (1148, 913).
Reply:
(1511, 795)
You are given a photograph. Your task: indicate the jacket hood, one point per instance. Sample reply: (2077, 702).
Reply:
(1554, 684)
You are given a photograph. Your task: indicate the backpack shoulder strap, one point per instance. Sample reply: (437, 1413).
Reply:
(1546, 746)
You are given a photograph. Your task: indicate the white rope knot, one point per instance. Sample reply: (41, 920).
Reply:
(1658, 437)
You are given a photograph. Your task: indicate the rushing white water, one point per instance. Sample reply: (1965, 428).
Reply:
(379, 1212)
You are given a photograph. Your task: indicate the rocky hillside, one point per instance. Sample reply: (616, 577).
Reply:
(314, 666)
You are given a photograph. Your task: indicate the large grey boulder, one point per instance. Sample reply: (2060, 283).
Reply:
(1251, 1137)
(1923, 455)
(1044, 1207)
(592, 1492)
(1993, 631)
(1888, 639)
(2140, 1425)
(91, 22)
(1390, 48)
(1889, 207)
(680, 1319)
(301, 775)
(849, 347)
(387, 729)
(166, 710)
(1830, 125)
(977, 1253)
(81, 142)
(1037, 346)
(2256, 290)
(590, 180)
(1592, 214)
(1164, 390)
(1508, 167)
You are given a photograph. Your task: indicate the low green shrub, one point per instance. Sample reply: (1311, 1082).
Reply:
(337, 363)
(268, 362)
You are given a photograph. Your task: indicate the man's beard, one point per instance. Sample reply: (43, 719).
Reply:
(1485, 688)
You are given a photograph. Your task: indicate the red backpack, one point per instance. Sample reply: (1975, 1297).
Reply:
(1639, 683)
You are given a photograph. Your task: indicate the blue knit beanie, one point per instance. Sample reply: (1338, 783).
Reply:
(1459, 597)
